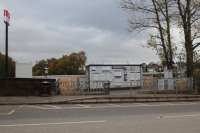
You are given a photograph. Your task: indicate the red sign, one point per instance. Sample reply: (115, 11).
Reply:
(6, 15)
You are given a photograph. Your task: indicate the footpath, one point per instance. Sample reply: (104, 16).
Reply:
(98, 99)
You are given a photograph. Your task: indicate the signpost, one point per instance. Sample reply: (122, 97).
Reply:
(6, 21)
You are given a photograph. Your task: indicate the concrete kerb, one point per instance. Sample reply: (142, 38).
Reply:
(109, 99)
(115, 99)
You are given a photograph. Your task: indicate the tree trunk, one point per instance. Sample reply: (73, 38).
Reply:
(189, 54)
(189, 49)
(161, 35)
(185, 14)
(169, 36)
(189, 63)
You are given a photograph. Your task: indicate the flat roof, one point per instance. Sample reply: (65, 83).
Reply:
(113, 65)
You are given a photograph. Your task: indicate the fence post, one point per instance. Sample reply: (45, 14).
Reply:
(131, 89)
(175, 85)
(155, 85)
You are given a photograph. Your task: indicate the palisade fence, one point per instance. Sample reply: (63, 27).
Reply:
(83, 87)
(170, 85)
(70, 87)
(197, 81)
(149, 84)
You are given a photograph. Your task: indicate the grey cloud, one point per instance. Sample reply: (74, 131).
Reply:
(104, 14)
(43, 29)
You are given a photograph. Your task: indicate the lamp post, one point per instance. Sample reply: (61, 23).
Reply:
(6, 21)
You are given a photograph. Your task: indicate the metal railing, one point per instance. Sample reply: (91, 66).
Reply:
(154, 86)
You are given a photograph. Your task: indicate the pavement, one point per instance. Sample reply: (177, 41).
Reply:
(9, 100)
(115, 97)
(165, 117)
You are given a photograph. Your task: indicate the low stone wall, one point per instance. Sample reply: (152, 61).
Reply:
(149, 82)
(69, 84)
(182, 84)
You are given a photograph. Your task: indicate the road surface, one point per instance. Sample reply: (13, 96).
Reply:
(102, 118)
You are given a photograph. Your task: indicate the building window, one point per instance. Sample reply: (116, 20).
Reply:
(117, 77)
(106, 71)
(125, 77)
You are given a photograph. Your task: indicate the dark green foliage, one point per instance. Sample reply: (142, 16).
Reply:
(38, 68)
(72, 64)
(11, 65)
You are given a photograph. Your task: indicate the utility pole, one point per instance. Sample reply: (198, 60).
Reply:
(6, 57)
(6, 21)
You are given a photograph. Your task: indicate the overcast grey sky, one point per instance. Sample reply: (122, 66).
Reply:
(50, 28)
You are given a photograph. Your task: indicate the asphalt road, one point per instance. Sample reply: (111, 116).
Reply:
(102, 118)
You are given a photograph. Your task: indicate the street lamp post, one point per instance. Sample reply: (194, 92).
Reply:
(6, 54)
(6, 21)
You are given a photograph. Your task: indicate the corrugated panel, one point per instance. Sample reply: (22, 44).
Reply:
(161, 84)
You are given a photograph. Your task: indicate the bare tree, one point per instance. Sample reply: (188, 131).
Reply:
(153, 43)
(189, 12)
(154, 15)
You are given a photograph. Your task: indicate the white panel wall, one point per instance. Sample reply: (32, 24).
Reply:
(23, 70)
(116, 76)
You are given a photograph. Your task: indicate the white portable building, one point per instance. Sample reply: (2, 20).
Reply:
(117, 75)
(23, 70)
